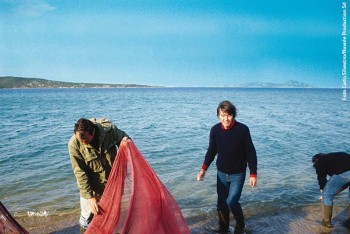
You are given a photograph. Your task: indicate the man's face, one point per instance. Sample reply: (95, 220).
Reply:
(84, 137)
(225, 119)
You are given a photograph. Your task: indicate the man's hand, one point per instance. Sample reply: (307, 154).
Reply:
(93, 205)
(321, 197)
(252, 182)
(201, 175)
(124, 140)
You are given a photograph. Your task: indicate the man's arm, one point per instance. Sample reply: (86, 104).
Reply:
(119, 135)
(209, 156)
(79, 170)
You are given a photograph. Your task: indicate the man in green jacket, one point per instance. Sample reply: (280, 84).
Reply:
(92, 150)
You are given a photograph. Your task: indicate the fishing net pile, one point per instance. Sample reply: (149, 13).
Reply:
(135, 200)
(8, 224)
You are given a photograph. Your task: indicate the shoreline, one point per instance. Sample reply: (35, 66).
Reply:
(297, 220)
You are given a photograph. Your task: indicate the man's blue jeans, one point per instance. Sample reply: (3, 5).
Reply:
(335, 185)
(229, 189)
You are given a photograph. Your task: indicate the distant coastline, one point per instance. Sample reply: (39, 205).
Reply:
(12, 82)
(22, 83)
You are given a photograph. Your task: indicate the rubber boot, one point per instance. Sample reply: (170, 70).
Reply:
(327, 216)
(347, 222)
(224, 221)
(240, 224)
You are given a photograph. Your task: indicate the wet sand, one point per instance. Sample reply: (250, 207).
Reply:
(303, 220)
(59, 224)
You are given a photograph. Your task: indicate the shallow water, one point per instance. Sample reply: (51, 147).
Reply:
(170, 126)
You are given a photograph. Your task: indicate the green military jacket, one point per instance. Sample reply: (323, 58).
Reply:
(92, 166)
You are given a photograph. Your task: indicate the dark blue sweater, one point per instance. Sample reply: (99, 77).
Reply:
(234, 148)
(331, 164)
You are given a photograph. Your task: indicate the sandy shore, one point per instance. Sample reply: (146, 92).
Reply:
(303, 220)
(63, 223)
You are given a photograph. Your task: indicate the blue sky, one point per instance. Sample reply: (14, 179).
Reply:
(173, 42)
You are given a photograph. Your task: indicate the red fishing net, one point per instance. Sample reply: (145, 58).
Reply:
(135, 200)
(8, 224)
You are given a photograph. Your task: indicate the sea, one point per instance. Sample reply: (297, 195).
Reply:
(170, 127)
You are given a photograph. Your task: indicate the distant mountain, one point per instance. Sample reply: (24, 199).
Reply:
(21, 82)
(288, 84)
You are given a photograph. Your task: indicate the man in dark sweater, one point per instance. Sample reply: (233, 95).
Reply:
(230, 140)
(337, 166)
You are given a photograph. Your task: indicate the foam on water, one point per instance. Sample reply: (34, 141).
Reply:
(43, 213)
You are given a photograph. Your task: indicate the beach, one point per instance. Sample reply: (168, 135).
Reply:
(298, 220)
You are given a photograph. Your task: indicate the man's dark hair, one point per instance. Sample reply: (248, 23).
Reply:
(227, 107)
(316, 157)
(84, 125)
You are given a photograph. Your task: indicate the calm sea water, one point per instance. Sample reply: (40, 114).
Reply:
(170, 126)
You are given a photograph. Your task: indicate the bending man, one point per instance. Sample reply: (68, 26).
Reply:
(92, 150)
(337, 166)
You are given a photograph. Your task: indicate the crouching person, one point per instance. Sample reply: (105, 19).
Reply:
(337, 166)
